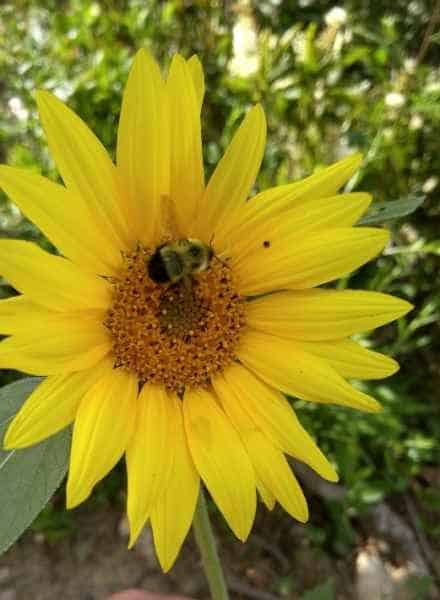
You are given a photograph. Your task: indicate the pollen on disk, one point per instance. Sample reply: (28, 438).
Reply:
(176, 335)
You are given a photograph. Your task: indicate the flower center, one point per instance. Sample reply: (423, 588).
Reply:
(177, 335)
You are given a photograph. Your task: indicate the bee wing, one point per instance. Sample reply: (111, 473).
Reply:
(169, 225)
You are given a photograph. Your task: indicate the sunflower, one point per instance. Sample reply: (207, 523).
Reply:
(185, 378)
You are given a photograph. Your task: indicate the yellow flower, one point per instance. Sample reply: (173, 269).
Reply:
(185, 379)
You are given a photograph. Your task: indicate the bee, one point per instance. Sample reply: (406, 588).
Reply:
(179, 260)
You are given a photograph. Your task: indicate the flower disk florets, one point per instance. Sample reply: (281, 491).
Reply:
(176, 335)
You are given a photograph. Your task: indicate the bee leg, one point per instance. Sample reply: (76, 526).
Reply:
(110, 278)
(187, 282)
(223, 261)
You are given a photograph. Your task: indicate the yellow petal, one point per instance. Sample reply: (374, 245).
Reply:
(85, 167)
(186, 173)
(141, 150)
(240, 390)
(269, 463)
(272, 469)
(266, 496)
(326, 182)
(234, 176)
(352, 360)
(49, 280)
(56, 343)
(24, 318)
(150, 455)
(285, 366)
(51, 406)
(324, 213)
(221, 460)
(316, 315)
(316, 259)
(63, 217)
(18, 313)
(172, 515)
(103, 427)
(196, 70)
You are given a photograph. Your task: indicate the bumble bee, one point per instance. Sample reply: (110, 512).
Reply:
(178, 260)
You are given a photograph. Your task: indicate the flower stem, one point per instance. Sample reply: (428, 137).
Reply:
(208, 549)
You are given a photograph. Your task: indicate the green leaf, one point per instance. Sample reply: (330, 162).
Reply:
(388, 211)
(418, 587)
(28, 477)
(322, 592)
(435, 38)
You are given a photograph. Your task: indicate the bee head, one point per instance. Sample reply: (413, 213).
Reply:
(200, 254)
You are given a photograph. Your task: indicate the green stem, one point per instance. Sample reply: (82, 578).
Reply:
(208, 549)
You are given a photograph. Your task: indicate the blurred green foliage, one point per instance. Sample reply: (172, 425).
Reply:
(329, 86)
